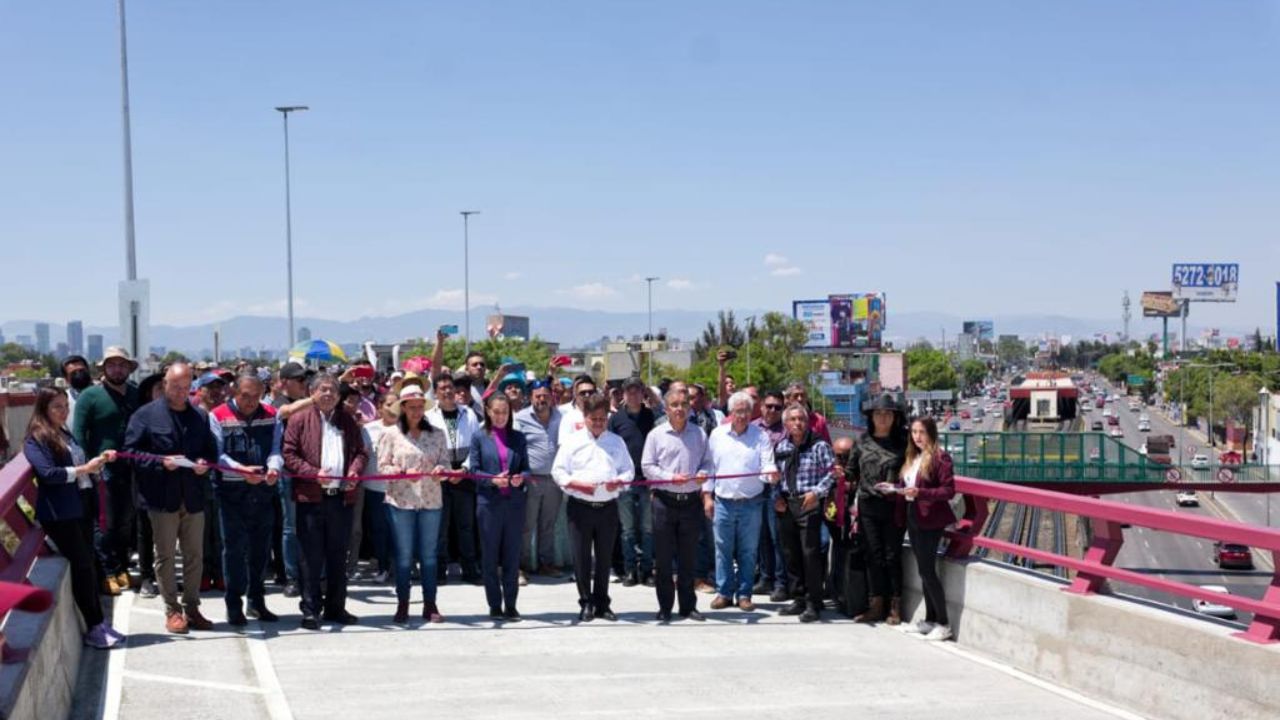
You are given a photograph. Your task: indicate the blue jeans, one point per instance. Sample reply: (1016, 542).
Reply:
(416, 532)
(635, 512)
(289, 528)
(737, 533)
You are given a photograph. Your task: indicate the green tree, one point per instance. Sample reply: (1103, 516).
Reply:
(973, 372)
(1011, 350)
(724, 332)
(929, 369)
(534, 353)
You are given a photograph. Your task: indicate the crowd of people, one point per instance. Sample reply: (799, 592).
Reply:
(300, 477)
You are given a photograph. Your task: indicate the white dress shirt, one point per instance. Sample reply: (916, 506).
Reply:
(583, 458)
(331, 460)
(729, 453)
(572, 421)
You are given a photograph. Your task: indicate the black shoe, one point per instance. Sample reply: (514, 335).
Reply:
(779, 595)
(649, 581)
(342, 618)
(291, 589)
(512, 615)
(810, 614)
(663, 616)
(147, 588)
(694, 615)
(586, 614)
(495, 614)
(262, 614)
(310, 622)
(236, 618)
(630, 580)
(795, 608)
(473, 579)
(607, 614)
(760, 588)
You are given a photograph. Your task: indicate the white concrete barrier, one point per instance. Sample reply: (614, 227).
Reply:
(1156, 662)
(40, 688)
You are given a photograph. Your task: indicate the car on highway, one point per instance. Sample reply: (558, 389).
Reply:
(979, 413)
(1200, 461)
(1116, 432)
(1144, 426)
(1113, 420)
(965, 415)
(1106, 412)
(1208, 607)
(1187, 498)
(1232, 555)
(1144, 418)
(1135, 406)
(1096, 426)
(953, 425)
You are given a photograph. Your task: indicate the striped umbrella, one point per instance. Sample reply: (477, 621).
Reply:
(320, 350)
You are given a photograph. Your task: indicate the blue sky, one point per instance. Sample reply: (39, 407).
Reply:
(974, 157)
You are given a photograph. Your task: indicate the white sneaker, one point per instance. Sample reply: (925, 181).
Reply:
(924, 627)
(939, 633)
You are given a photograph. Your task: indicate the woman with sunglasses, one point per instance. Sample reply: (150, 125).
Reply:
(499, 458)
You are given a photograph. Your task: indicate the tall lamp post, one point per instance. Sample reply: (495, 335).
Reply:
(650, 281)
(751, 321)
(284, 111)
(1262, 431)
(466, 272)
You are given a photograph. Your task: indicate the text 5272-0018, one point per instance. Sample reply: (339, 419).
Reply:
(1206, 275)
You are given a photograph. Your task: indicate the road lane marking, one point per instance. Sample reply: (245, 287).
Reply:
(268, 681)
(208, 684)
(111, 697)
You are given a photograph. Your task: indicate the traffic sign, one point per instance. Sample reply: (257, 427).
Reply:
(1173, 475)
(1225, 475)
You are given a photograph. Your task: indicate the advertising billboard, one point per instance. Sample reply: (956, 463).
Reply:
(1206, 282)
(1158, 303)
(984, 330)
(851, 322)
(816, 316)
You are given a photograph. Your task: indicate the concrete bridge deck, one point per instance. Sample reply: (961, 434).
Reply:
(734, 665)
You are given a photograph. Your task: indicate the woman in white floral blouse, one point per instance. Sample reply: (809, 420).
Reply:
(413, 446)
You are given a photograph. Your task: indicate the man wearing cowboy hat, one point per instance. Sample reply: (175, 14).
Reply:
(102, 413)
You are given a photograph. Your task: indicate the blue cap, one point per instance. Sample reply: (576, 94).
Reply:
(209, 377)
(511, 379)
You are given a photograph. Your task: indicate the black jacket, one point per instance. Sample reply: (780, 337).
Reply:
(157, 430)
(872, 462)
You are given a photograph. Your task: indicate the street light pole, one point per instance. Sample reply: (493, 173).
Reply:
(466, 272)
(284, 111)
(1263, 430)
(751, 321)
(131, 257)
(650, 281)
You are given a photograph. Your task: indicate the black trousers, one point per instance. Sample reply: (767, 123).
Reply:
(924, 544)
(460, 516)
(802, 547)
(676, 525)
(324, 529)
(74, 539)
(246, 522)
(146, 547)
(838, 561)
(593, 529)
(116, 537)
(882, 543)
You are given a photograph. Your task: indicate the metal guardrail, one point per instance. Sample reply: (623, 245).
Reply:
(21, 539)
(1096, 567)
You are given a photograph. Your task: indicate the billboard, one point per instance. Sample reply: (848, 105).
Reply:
(849, 322)
(1206, 282)
(816, 316)
(1158, 303)
(984, 330)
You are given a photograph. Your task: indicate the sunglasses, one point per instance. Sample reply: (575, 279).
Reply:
(586, 393)
(772, 406)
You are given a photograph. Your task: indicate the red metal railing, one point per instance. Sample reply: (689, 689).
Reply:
(1107, 516)
(17, 481)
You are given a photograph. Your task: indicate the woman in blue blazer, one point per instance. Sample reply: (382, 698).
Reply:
(65, 505)
(499, 455)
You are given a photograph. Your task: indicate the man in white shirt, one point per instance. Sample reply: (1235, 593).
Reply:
(572, 419)
(459, 423)
(591, 467)
(734, 503)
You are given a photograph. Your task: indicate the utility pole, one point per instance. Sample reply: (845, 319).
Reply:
(466, 272)
(1127, 315)
(650, 281)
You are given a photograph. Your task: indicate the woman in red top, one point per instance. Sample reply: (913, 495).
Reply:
(928, 483)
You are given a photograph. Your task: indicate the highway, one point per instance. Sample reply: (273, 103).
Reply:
(1174, 556)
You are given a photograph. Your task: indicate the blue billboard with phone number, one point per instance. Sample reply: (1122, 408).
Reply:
(1206, 282)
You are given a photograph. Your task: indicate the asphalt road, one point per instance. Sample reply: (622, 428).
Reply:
(1178, 557)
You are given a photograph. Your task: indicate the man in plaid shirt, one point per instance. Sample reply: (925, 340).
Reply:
(807, 464)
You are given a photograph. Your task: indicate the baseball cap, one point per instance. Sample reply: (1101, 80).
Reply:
(208, 379)
(294, 371)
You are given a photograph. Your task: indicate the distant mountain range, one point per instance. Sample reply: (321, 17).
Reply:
(571, 327)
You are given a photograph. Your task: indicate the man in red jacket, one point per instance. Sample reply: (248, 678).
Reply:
(324, 453)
